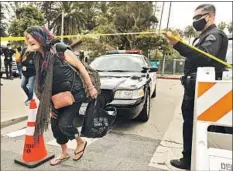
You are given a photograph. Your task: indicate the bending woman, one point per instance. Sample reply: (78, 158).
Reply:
(54, 75)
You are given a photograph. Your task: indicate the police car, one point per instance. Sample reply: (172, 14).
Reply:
(128, 82)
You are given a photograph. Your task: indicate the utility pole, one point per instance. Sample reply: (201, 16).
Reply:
(62, 25)
(167, 28)
(160, 23)
(161, 17)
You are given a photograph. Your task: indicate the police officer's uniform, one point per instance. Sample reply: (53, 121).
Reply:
(8, 53)
(213, 41)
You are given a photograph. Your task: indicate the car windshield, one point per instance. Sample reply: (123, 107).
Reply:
(118, 63)
(229, 52)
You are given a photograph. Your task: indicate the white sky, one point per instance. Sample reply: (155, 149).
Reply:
(182, 13)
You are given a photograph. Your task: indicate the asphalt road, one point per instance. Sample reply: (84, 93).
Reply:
(131, 145)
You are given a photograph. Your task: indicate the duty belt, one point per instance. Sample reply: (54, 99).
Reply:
(187, 78)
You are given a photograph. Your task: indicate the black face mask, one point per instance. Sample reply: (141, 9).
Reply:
(200, 24)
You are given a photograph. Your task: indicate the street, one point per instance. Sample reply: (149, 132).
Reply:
(131, 145)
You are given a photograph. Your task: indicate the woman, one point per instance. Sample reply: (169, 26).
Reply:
(18, 60)
(28, 71)
(54, 75)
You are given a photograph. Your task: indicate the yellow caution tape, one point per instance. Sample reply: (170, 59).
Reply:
(200, 51)
(135, 33)
(79, 35)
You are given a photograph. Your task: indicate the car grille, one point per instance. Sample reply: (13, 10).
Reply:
(106, 96)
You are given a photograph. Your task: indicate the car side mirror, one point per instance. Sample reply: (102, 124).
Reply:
(152, 69)
(145, 69)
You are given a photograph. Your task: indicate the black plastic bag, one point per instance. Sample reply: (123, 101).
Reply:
(97, 120)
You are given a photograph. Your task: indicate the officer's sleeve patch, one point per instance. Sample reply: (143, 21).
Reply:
(211, 37)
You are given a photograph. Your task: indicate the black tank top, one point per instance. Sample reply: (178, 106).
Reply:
(65, 79)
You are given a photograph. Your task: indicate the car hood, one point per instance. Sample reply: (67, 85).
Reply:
(122, 80)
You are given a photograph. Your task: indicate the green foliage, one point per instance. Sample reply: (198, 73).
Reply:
(2, 23)
(98, 17)
(189, 32)
(27, 16)
(229, 27)
(222, 25)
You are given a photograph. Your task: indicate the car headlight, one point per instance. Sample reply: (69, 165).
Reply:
(129, 94)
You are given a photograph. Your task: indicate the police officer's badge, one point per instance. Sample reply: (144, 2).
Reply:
(24, 68)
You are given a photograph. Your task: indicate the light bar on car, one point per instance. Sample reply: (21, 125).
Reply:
(124, 52)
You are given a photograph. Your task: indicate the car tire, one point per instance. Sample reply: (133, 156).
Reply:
(154, 93)
(145, 113)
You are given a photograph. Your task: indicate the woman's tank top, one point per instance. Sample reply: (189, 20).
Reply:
(65, 79)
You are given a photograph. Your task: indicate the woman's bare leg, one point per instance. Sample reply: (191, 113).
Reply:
(80, 147)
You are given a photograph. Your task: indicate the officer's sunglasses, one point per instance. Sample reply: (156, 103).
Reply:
(197, 17)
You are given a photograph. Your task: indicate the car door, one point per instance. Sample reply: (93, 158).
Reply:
(152, 75)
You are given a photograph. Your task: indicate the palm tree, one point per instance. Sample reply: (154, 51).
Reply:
(222, 25)
(229, 27)
(189, 32)
(74, 18)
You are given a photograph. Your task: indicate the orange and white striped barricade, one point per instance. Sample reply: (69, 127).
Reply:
(213, 106)
(34, 153)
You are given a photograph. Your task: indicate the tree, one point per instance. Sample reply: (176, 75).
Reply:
(131, 17)
(222, 25)
(229, 27)
(27, 16)
(74, 18)
(189, 32)
(2, 23)
(49, 11)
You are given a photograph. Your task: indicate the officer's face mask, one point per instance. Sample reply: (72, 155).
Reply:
(200, 24)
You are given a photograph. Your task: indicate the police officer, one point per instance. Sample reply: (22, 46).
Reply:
(211, 40)
(8, 53)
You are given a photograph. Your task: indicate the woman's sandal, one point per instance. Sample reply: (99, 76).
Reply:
(59, 160)
(82, 151)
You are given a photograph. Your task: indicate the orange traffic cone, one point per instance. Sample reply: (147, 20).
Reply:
(34, 154)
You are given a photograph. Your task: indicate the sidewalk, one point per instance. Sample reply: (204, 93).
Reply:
(13, 108)
(169, 76)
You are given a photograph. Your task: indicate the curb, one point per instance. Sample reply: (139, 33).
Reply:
(13, 121)
(169, 78)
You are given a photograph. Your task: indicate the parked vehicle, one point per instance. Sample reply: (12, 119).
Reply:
(128, 82)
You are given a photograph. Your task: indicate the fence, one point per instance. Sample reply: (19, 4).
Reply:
(171, 66)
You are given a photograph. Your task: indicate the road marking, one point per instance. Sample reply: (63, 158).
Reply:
(72, 144)
(16, 133)
(171, 145)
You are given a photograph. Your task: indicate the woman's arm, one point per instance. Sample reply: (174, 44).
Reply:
(71, 58)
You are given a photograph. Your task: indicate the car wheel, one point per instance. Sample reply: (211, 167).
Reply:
(154, 93)
(145, 114)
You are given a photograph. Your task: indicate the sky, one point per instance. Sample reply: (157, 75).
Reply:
(182, 13)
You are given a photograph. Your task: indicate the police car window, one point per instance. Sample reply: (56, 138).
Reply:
(147, 61)
(119, 62)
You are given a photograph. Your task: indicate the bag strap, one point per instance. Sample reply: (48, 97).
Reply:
(54, 51)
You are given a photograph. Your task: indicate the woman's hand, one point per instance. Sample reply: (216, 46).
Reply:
(92, 92)
(53, 115)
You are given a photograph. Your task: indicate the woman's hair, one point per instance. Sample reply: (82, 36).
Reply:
(40, 34)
